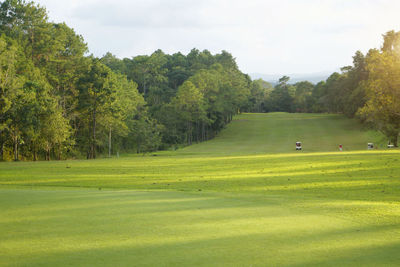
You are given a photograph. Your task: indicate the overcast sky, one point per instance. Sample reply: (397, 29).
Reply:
(265, 36)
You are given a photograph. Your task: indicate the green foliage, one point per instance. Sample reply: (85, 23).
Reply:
(259, 93)
(10, 83)
(146, 134)
(158, 100)
(303, 97)
(382, 109)
(281, 97)
(190, 107)
(58, 103)
(218, 88)
(55, 102)
(370, 88)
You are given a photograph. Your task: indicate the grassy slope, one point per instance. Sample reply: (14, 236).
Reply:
(278, 132)
(230, 201)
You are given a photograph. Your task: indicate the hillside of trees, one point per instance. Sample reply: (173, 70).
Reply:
(58, 102)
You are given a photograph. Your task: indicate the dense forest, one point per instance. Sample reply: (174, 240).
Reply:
(57, 101)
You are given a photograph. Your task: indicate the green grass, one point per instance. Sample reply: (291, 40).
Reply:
(278, 132)
(245, 198)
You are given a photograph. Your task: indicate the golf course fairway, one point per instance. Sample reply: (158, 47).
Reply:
(245, 198)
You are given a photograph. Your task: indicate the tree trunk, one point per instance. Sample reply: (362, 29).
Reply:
(1, 148)
(189, 133)
(34, 151)
(203, 132)
(197, 132)
(15, 148)
(93, 147)
(394, 140)
(109, 143)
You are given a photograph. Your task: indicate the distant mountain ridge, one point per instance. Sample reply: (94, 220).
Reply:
(294, 77)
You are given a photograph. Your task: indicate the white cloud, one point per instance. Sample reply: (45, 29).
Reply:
(287, 36)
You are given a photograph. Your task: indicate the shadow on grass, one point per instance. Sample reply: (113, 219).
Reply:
(230, 174)
(337, 248)
(170, 229)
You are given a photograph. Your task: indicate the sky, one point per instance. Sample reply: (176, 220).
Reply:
(268, 37)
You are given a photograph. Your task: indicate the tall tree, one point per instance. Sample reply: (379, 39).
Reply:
(95, 94)
(383, 87)
(10, 85)
(302, 98)
(281, 97)
(189, 104)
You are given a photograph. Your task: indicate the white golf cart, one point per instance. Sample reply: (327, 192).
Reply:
(298, 145)
(390, 145)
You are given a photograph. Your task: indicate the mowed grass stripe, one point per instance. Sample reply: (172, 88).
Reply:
(355, 175)
(114, 228)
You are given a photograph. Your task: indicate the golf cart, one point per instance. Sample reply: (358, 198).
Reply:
(298, 145)
(390, 145)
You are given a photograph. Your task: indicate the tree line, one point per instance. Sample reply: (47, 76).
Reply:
(368, 90)
(56, 101)
(193, 97)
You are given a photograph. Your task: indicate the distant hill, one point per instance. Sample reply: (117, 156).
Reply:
(294, 77)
